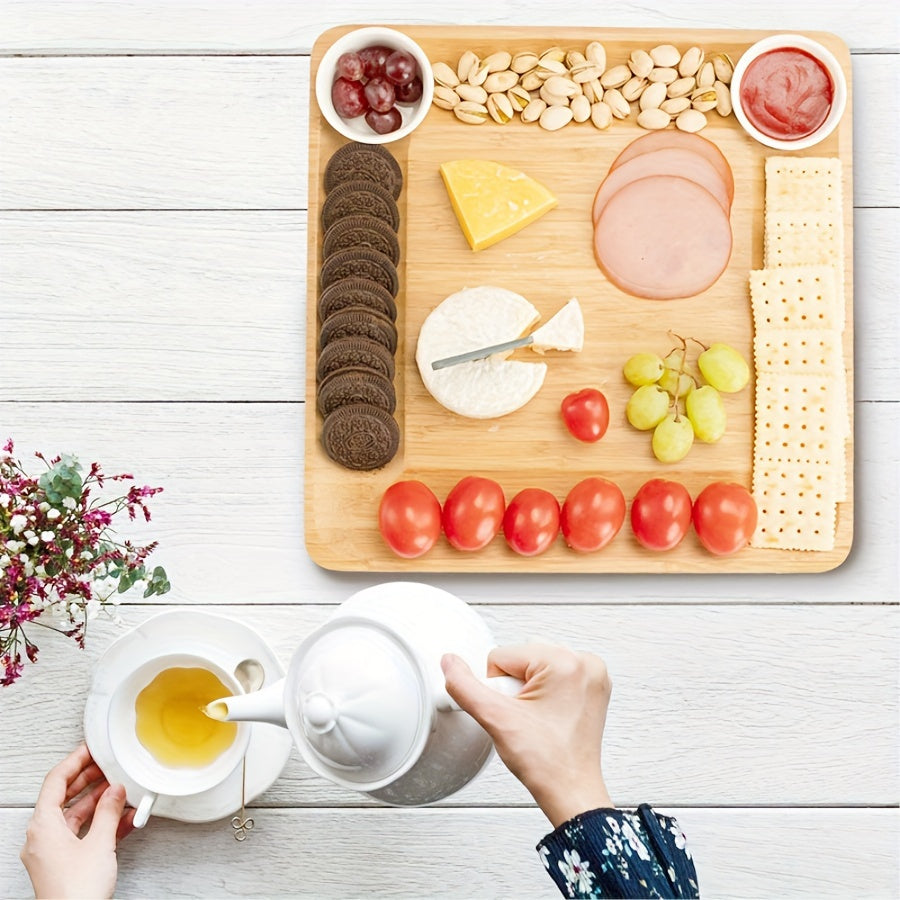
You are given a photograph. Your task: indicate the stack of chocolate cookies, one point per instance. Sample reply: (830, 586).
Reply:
(357, 310)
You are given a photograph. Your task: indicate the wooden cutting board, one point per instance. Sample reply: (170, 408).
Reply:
(549, 262)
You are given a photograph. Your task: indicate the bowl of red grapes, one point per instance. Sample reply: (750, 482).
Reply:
(374, 85)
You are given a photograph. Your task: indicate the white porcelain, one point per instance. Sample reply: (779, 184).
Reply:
(356, 129)
(183, 634)
(815, 49)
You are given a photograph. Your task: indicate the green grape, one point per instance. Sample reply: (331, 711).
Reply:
(724, 368)
(647, 407)
(670, 380)
(672, 438)
(707, 413)
(643, 368)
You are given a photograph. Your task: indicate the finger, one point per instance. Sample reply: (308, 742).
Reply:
(107, 816)
(517, 659)
(82, 810)
(84, 779)
(53, 790)
(481, 702)
(126, 824)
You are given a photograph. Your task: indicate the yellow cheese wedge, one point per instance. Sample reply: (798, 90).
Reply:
(493, 201)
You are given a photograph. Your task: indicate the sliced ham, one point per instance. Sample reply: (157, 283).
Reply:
(666, 161)
(663, 237)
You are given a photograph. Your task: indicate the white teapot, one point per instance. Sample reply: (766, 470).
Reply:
(365, 701)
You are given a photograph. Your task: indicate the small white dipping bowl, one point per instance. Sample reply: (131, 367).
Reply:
(356, 129)
(814, 49)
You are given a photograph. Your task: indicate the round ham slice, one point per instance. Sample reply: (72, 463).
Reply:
(667, 161)
(662, 238)
(659, 140)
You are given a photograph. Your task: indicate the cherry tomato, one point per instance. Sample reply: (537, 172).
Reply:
(661, 514)
(473, 513)
(409, 518)
(586, 414)
(592, 514)
(724, 517)
(531, 522)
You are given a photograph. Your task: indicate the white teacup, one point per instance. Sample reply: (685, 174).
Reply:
(141, 766)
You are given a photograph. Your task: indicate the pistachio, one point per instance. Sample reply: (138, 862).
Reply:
(615, 77)
(617, 103)
(467, 62)
(581, 108)
(690, 62)
(497, 62)
(524, 62)
(555, 117)
(633, 88)
(704, 99)
(471, 113)
(557, 54)
(653, 96)
(706, 75)
(653, 119)
(723, 98)
(675, 105)
(531, 81)
(584, 72)
(559, 84)
(499, 108)
(601, 115)
(549, 66)
(575, 58)
(551, 98)
(723, 67)
(593, 87)
(664, 74)
(681, 87)
(472, 92)
(478, 75)
(518, 97)
(444, 75)
(533, 111)
(690, 120)
(596, 53)
(497, 82)
(444, 97)
(640, 62)
(665, 56)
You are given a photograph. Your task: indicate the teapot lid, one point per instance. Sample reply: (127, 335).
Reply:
(357, 704)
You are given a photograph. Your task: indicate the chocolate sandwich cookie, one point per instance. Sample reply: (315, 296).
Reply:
(360, 262)
(356, 352)
(360, 436)
(364, 162)
(361, 231)
(354, 385)
(359, 321)
(360, 198)
(356, 292)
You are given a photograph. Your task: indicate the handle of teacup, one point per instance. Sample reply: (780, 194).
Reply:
(143, 810)
(503, 684)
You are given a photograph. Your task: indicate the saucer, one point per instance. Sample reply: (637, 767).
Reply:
(225, 642)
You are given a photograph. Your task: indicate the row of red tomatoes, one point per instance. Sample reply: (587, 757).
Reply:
(411, 518)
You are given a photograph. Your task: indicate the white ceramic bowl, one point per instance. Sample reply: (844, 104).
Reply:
(815, 49)
(356, 129)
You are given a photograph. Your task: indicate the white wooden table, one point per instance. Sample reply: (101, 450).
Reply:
(152, 252)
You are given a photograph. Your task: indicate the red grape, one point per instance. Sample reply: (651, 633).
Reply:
(349, 98)
(380, 94)
(384, 123)
(373, 59)
(350, 66)
(410, 92)
(400, 67)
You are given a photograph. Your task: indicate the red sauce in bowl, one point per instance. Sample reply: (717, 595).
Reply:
(786, 93)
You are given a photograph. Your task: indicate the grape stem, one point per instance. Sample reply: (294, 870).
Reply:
(682, 370)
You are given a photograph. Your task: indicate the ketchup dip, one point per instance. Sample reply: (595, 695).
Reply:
(786, 93)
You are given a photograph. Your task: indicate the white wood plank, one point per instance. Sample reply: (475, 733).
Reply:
(233, 492)
(231, 132)
(230, 26)
(741, 706)
(822, 853)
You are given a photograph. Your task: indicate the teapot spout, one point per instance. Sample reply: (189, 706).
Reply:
(266, 705)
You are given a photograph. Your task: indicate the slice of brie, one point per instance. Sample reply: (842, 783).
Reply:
(467, 320)
(565, 331)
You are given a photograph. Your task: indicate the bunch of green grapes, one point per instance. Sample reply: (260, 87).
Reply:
(677, 405)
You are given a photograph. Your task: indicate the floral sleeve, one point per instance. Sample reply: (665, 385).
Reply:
(613, 853)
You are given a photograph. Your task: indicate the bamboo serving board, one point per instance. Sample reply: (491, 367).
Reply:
(548, 262)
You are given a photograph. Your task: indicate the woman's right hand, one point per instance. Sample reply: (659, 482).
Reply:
(550, 735)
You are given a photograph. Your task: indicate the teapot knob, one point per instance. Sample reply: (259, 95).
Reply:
(319, 712)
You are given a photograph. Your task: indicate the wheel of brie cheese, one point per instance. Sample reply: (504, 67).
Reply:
(468, 320)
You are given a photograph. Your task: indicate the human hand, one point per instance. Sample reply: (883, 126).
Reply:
(550, 735)
(59, 862)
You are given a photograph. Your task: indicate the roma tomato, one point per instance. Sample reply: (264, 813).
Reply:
(473, 513)
(586, 414)
(592, 514)
(661, 514)
(531, 522)
(409, 518)
(724, 517)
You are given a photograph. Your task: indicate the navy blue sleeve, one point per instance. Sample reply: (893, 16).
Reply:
(614, 853)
